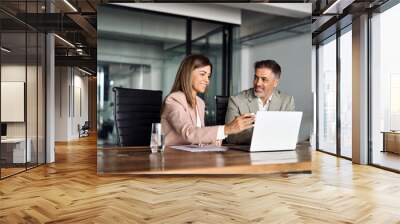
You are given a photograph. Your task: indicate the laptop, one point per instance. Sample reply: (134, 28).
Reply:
(274, 131)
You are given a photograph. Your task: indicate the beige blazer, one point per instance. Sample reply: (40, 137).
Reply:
(178, 122)
(246, 102)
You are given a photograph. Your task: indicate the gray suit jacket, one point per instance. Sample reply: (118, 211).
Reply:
(246, 102)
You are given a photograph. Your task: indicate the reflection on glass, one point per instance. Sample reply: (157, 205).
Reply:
(327, 96)
(13, 85)
(31, 97)
(394, 102)
(41, 150)
(385, 83)
(142, 53)
(22, 98)
(208, 42)
(346, 93)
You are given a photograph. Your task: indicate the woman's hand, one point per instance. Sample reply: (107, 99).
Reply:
(240, 124)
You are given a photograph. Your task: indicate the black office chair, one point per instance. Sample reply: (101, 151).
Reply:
(134, 111)
(84, 129)
(221, 107)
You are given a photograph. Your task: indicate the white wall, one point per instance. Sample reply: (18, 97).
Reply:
(61, 103)
(33, 126)
(294, 56)
(195, 10)
(70, 83)
(17, 73)
(79, 117)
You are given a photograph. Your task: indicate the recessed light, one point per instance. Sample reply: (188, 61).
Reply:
(5, 50)
(86, 72)
(64, 40)
(70, 5)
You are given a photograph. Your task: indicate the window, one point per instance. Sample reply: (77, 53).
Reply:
(335, 74)
(346, 93)
(327, 95)
(385, 88)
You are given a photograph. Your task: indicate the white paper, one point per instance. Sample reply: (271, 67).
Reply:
(196, 148)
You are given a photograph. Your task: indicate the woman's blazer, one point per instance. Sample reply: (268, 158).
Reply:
(178, 122)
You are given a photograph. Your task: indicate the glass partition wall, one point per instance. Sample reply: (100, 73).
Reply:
(346, 72)
(327, 95)
(22, 94)
(334, 94)
(385, 89)
(207, 39)
(137, 55)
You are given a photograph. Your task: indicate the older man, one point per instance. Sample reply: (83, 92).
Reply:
(262, 97)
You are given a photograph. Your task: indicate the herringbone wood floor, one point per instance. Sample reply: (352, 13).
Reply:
(69, 191)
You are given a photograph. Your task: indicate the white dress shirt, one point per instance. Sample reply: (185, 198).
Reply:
(221, 132)
(261, 106)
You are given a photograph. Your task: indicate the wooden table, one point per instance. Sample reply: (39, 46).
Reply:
(139, 160)
(391, 141)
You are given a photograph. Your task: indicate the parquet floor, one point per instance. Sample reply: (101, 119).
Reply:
(387, 159)
(69, 191)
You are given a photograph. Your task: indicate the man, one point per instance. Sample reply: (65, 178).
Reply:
(262, 97)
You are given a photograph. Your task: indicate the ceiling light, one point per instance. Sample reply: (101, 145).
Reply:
(70, 5)
(5, 50)
(65, 41)
(331, 7)
(86, 72)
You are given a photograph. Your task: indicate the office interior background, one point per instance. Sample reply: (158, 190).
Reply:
(59, 62)
(39, 108)
(50, 69)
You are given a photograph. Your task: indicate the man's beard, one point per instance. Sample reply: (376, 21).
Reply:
(262, 94)
(257, 94)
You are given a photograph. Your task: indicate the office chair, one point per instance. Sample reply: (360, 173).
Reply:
(84, 129)
(221, 107)
(134, 112)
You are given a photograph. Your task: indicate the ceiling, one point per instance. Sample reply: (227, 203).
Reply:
(76, 20)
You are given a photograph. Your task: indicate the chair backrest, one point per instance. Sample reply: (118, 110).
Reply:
(86, 125)
(134, 111)
(221, 106)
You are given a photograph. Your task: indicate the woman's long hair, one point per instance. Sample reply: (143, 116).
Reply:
(183, 79)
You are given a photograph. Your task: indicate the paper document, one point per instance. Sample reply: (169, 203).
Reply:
(196, 148)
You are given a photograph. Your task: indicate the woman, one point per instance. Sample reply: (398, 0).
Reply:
(182, 116)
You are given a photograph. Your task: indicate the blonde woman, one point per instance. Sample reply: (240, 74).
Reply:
(182, 116)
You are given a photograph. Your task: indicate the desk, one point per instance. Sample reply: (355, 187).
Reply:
(13, 150)
(139, 160)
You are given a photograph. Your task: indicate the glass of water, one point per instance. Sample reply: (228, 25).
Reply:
(157, 138)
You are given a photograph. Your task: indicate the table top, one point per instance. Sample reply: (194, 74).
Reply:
(13, 140)
(391, 132)
(140, 160)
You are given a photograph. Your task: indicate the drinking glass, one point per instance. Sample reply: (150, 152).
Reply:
(157, 138)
